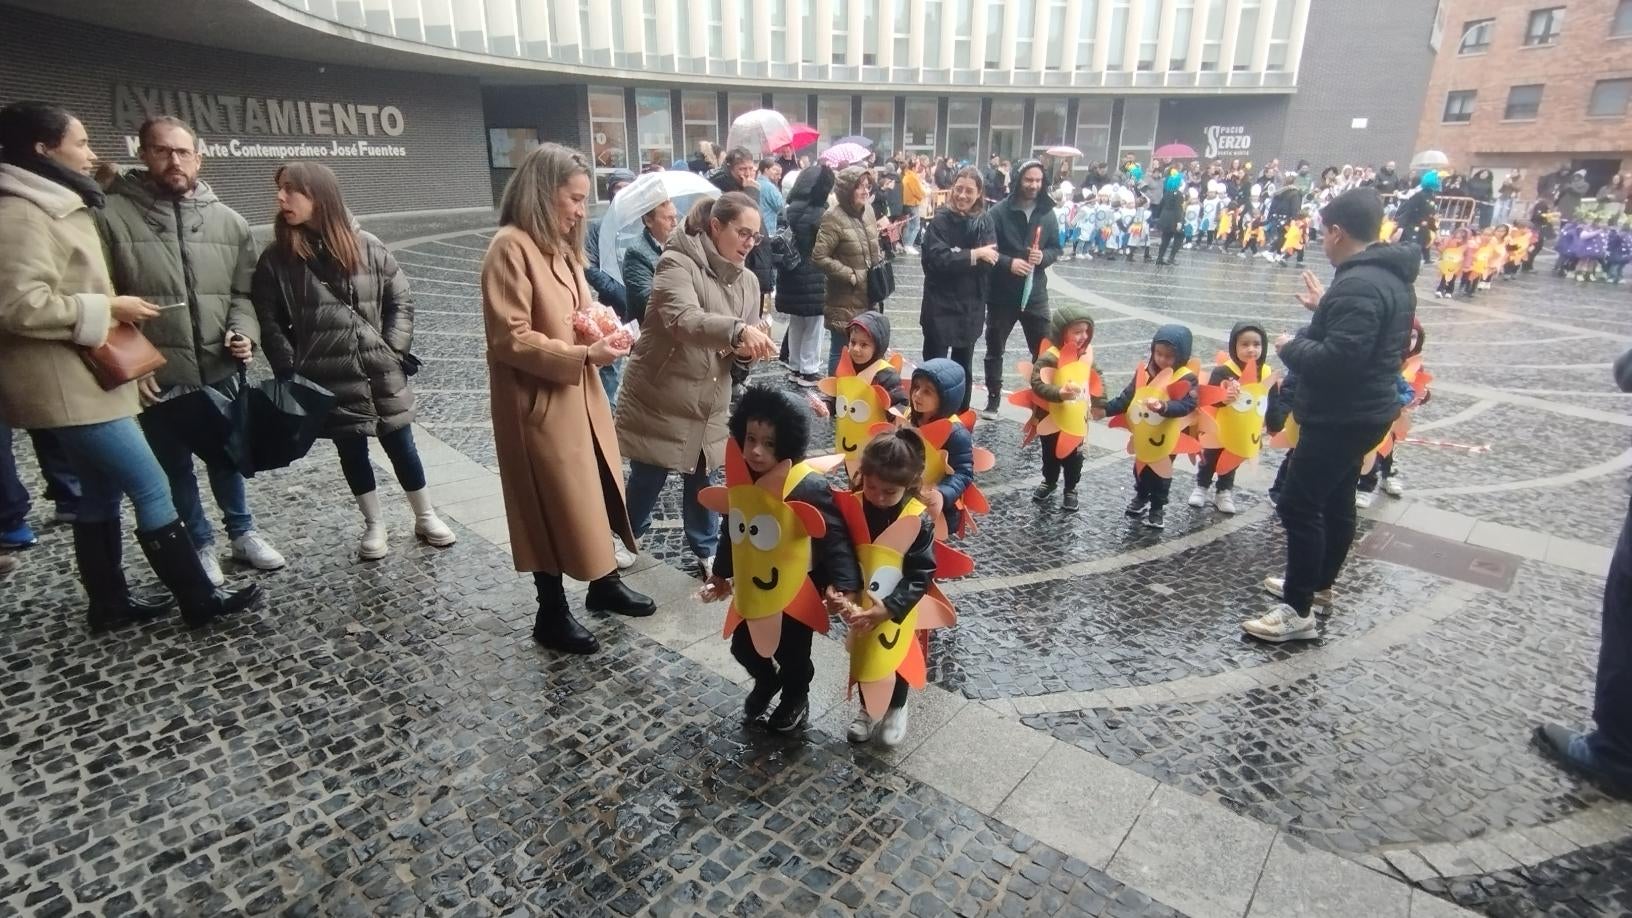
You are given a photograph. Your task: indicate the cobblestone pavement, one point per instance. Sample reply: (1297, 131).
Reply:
(1098, 738)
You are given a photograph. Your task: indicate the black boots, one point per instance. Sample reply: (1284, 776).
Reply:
(760, 696)
(609, 594)
(790, 715)
(171, 554)
(99, 550)
(554, 627)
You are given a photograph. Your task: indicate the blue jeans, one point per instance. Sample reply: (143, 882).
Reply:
(838, 341)
(113, 461)
(61, 487)
(1612, 700)
(641, 493)
(909, 235)
(226, 484)
(611, 379)
(399, 448)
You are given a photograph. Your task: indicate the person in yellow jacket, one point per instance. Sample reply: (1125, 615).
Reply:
(1452, 253)
(1482, 249)
(912, 198)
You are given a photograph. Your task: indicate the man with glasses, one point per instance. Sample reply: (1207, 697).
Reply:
(172, 242)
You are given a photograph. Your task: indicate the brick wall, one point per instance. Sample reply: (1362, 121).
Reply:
(1360, 60)
(1561, 131)
(77, 65)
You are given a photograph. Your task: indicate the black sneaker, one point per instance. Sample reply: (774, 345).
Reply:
(1043, 494)
(1156, 519)
(790, 715)
(1136, 508)
(1068, 503)
(759, 698)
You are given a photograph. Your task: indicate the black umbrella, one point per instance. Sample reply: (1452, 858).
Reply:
(279, 418)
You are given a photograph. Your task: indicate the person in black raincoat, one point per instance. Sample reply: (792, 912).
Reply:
(1028, 242)
(959, 250)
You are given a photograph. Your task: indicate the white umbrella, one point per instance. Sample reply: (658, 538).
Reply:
(621, 225)
(841, 155)
(1430, 159)
(760, 131)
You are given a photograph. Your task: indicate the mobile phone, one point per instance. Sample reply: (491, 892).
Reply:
(180, 305)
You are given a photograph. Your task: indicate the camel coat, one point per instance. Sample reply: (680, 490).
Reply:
(552, 428)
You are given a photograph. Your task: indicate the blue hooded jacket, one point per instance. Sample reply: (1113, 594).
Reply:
(1180, 339)
(947, 378)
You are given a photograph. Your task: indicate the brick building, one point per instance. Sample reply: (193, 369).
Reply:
(1533, 85)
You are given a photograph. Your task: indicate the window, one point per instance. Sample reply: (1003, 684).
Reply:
(1544, 27)
(1118, 34)
(1609, 98)
(933, 14)
(779, 32)
(1212, 43)
(1621, 25)
(1056, 27)
(791, 106)
(1523, 102)
(1047, 126)
(807, 32)
(1139, 127)
(832, 119)
(841, 31)
(1150, 27)
(1008, 119)
(869, 34)
(1459, 106)
(716, 29)
(921, 116)
(1476, 36)
(738, 103)
(963, 32)
(1093, 132)
(682, 27)
(653, 127)
(1280, 36)
(994, 34)
(700, 120)
(608, 134)
(903, 40)
(1183, 17)
(1025, 26)
(1086, 26)
(649, 14)
(878, 124)
(747, 45)
(963, 129)
(1246, 37)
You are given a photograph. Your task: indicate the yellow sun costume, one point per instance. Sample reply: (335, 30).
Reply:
(1068, 419)
(1236, 427)
(861, 408)
(1153, 439)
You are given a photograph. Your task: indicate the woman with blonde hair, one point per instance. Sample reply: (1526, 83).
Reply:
(558, 455)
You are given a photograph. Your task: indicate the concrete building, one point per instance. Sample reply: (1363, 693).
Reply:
(1533, 85)
(424, 104)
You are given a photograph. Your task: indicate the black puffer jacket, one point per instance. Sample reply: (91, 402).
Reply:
(803, 291)
(311, 326)
(954, 308)
(1348, 359)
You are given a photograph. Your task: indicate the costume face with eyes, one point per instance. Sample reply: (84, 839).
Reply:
(1153, 438)
(861, 410)
(1069, 419)
(1236, 425)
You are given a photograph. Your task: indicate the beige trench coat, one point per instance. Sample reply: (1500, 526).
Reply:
(558, 455)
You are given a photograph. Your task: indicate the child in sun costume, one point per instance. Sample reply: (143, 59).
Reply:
(788, 544)
(1235, 402)
(899, 559)
(1155, 408)
(1064, 385)
(1414, 392)
(1453, 251)
(952, 458)
(866, 388)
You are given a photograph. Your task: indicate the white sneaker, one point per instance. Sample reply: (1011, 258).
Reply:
(212, 565)
(427, 525)
(1363, 499)
(1198, 497)
(861, 729)
(373, 546)
(622, 556)
(895, 727)
(254, 550)
(1276, 587)
(1224, 501)
(1393, 486)
(1281, 624)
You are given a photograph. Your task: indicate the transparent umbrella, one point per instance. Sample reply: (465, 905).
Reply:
(760, 131)
(621, 225)
(1430, 159)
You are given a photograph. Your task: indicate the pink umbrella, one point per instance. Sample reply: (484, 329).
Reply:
(803, 135)
(1174, 151)
(844, 154)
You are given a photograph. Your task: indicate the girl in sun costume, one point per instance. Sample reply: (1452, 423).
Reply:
(1064, 384)
(894, 542)
(1234, 402)
(864, 398)
(1155, 409)
(952, 459)
(787, 544)
(1413, 386)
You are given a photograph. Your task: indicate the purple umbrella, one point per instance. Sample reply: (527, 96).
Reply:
(856, 139)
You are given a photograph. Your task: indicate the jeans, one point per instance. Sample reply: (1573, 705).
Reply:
(61, 487)
(226, 484)
(1612, 699)
(611, 378)
(641, 493)
(909, 235)
(1317, 506)
(113, 461)
(962, 356)
(804, 340)
(399, 448)
(837, 341)
(1149, 487)
(792, 658)
(999, 324)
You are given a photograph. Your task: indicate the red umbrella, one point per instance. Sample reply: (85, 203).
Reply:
(1174, 151)
(803, 135)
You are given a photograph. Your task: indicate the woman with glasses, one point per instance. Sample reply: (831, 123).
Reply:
(703, 316)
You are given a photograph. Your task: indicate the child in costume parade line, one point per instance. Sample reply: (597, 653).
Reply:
(951, 457)
(894, 538)
(1236, 401)
(790, 553)
(865, 389)
(1453, 253)
(1155, 408)
(1414, 392)
(1065, 385)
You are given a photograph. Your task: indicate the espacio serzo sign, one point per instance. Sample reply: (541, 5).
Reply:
(1226, 140)
(261, 127)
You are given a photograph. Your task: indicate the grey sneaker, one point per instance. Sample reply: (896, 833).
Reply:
(1276, 587)
(254, 550)
(1280, 625)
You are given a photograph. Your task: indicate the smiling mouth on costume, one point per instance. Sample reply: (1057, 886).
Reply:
(768, 585)
(1156, 441)
(1256, 439)
(846, 446)
(889, 644)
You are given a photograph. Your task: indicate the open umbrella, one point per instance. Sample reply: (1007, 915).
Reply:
(1429, 159)
(803, 135)
(856, 139)
(840, 155)
(1175, 151)
(621, 225)
(760, 131)
(1063, 151)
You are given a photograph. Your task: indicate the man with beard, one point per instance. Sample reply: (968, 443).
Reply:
(171, 241)
(1028, 241)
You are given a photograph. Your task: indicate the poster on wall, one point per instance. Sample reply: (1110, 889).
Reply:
(507, 147)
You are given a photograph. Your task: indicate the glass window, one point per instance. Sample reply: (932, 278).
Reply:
(1609, 98)
(920, 128)
(832, 119)
(1621, 25)
(1118, 35)
(1523, 103)
(878, 124)
(1184, 13)
(1085, 34)
(1476, 36)
(699, 119)
(1139, 127)
(841, 31)
(745, 39)
(903, 24)
(1459, 106)
(608, 134)
(1055, 50)
(1150, 27)
(654, 127)
(790, 106)
(1544, 26)
(963, 33)
(648, 9)
(963, 129)
(1246, 37)
(807, 32)
(779, 32)
(716, 29)
(933, 10)
(1048, 125)
(1212, 43)
(994, 34)
(1093, 132)
(1008, 120)
(1027, 24)
(869, 35)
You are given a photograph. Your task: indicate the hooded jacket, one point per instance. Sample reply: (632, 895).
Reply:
(1014, 235)
(1177, 336)
(1222, 372)
(846, 247)
(1063, 316)
(955, 285)
(194, 255)
(947, 378)
(1348, 358)
(803, 291)
(878, 328)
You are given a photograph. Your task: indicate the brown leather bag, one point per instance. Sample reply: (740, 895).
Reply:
(125, 357)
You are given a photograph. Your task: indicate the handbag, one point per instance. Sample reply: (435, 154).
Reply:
(124, 357)
(880, 281)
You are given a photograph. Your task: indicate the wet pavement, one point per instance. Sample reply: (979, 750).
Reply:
(1098, 738)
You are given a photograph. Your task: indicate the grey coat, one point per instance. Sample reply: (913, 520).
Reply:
(307, 328)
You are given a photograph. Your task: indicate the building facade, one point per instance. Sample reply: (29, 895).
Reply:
(428, 103)
(1533, 85)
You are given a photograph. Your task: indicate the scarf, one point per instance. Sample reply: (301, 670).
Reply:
(48, 168)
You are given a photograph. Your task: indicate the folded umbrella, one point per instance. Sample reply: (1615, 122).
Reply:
(1025, 289)
(280, 417)
(202, 419)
